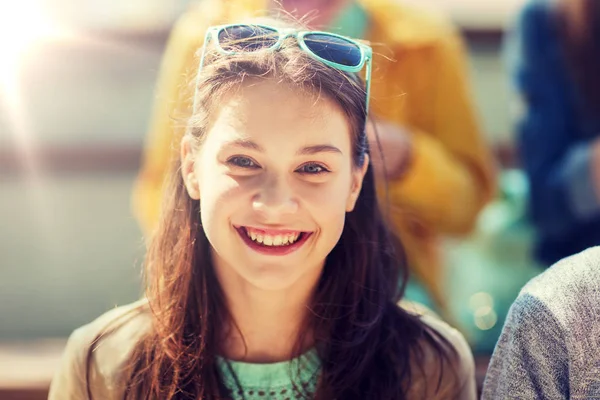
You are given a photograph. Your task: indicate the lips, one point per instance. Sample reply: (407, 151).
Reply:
(272, 241)
(272, 238)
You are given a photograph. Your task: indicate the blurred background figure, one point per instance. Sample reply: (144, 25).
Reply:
(553, 55)
(436, 170)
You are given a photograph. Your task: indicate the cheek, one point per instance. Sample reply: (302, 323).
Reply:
(330, 197)
(334, 193)
(328, 202)
(220, 197)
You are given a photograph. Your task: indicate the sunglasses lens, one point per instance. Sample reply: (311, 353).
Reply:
(334, 49)
(247, 38)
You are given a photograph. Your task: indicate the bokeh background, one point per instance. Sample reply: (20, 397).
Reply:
(76, 88)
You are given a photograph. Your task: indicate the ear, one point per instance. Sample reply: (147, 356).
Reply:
(357, 179)
(188, 164)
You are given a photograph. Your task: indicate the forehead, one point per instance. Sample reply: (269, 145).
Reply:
(266, 110)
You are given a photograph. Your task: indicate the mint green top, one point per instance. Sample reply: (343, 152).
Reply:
(273, 381)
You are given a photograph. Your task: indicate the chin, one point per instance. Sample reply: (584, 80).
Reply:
(275, 278)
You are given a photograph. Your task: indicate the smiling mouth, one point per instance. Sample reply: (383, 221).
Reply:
(272, 239)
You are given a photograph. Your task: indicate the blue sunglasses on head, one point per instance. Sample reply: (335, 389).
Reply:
(333, 50)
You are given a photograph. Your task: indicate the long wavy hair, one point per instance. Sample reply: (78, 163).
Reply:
(579, 27)
(366, 343)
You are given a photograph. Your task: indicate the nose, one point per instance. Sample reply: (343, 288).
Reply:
(275, 200)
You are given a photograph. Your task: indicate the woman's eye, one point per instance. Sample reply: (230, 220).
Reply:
(312, 169)
(242, 162)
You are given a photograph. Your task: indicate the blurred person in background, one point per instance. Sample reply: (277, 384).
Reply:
(271, 273)
(554, 58)
(550, 344)
(438, 172)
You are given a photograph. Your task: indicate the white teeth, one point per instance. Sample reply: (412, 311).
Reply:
(277, 240)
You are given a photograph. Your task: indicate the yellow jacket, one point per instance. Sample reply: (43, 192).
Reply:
(419, 82)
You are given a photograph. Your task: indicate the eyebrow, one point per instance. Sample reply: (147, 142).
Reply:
(308, 150)
(245, 143)
(319, 148)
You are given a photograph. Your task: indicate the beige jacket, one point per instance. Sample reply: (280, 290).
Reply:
(112, 352)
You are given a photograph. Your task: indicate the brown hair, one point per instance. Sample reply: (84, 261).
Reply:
(579, 26)
(366, 343)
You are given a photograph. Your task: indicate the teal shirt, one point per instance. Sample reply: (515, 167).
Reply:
(276, 381)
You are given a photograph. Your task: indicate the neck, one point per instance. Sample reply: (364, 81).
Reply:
(266, 324)
(305, 9)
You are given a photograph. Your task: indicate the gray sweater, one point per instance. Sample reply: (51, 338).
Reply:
(550, 345)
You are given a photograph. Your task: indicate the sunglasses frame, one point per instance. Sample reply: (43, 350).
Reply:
(366, 53)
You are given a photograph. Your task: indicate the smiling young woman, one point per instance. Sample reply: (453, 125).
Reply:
(271, 274)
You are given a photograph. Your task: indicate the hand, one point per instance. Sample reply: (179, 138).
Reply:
(395, 143)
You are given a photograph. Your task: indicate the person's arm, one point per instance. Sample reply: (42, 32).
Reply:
(173, 100)
(531, 357)
(558, 166)
(450, 176)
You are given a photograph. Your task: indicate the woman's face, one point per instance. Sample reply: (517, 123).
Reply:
(275, 179)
